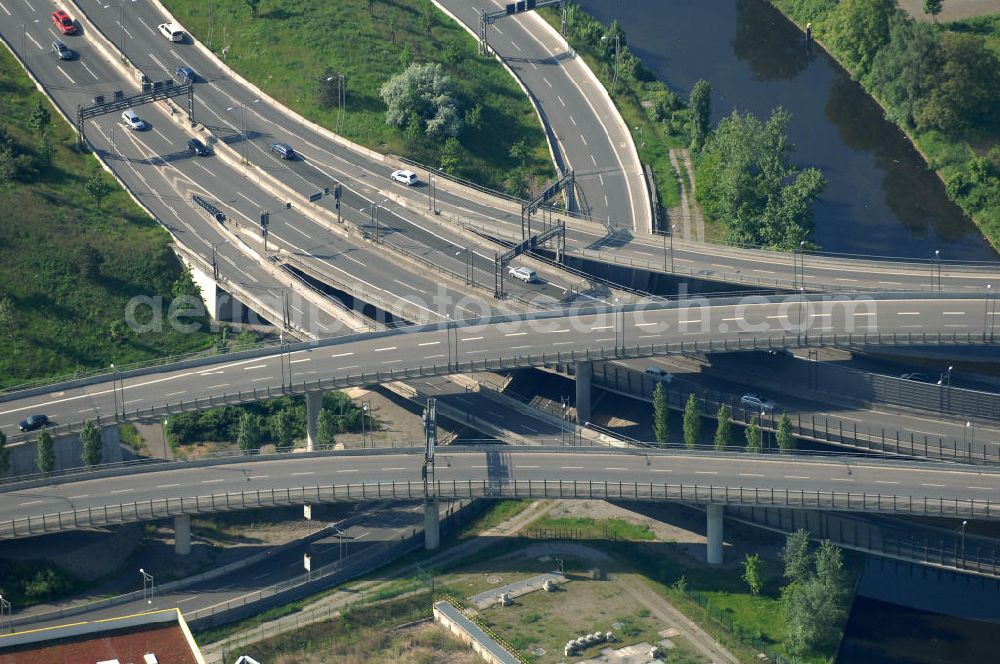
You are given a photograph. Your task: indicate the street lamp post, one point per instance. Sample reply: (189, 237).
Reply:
(963, 541)
(215, 264)
(673, 230)
(986, 313)
(364, 436)
(147, 586)
(114, 389)
(5, 606)
(937, 259)
(642, 141)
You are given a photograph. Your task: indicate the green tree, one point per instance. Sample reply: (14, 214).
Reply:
(423, 89)
(326, 427)
(723, 427)
(393, 25)
(45, 452)
(91, 444)
(933, 8)
(700, 104)
(753, 435)
(4, 455)
(451, 156)
(6, 313)
(784, 437)
(905, 69)
(98, 188)
(8, 164)
(282, 425)
(521, 152)
(753, 572)
(248, 432)
(40, 118)
(796, 556)
(815, 601)
(746, 181)
(858, 29)
(661, 415)
(184, 285)
(474, 116)
(46, 151)
(692, 422)
(966, 90)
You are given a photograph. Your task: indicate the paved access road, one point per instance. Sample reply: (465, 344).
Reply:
(347, 539)
(441, 349)
(501, 466)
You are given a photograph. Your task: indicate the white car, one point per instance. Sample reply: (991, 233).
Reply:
(171, 31)
(409, 178)
(524, 274)
(133, 121)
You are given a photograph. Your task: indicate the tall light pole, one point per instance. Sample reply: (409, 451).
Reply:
(147, 586)
(5, 606)
(986, 313)
(642, 141)
(673, 230)
(963, 541)
(937, 259)
(215, 264)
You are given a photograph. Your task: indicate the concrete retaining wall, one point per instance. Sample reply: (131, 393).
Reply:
(69, 453)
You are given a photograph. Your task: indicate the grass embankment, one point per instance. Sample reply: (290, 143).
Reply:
(289, 48)
(641, 100)
(67, 266)
(967, 159)
(583, 528)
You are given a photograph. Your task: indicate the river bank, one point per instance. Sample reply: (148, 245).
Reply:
(881, 199)
(948, 157)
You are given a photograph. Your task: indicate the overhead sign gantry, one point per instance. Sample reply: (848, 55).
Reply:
(156, 91)
(488, 17)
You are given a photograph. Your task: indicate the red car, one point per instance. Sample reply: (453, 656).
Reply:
(63, 22)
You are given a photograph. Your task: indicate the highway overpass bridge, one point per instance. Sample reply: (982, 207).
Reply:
(178, 490)
(502, 343)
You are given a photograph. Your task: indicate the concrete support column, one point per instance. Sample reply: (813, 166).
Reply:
(314, 402)
(432, 524)
(584, 370)
(182, 534)
(714, 514)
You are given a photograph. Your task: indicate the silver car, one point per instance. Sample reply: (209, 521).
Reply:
(754, 402)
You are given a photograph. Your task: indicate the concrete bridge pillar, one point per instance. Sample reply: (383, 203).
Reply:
(584, 370)
(714, 515)
(314, 402)
(182, 534)
(432, 524)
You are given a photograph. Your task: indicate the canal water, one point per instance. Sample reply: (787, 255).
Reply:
(881, 198)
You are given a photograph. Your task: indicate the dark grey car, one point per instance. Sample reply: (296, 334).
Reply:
(62, 51)
(283, 150)
(33, 422)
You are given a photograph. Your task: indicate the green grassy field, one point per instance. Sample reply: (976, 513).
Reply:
(289, 47)
(67, 267)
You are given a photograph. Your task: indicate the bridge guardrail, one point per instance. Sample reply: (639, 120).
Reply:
(498, 489)
(538, 359)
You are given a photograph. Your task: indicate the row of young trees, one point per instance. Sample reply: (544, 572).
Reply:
(723, 438)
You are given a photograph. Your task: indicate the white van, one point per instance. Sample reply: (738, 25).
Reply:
(171, 31)
(524, 274)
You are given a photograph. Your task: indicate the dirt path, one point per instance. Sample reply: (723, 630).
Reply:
(684, 211)
(699, 220)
